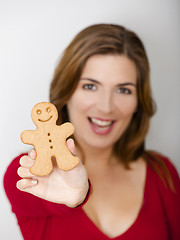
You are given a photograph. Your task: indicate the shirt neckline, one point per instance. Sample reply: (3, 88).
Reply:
(124, 235)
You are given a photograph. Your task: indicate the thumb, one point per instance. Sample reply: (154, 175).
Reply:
(71, 146)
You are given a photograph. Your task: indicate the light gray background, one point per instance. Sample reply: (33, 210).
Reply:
(33, 35)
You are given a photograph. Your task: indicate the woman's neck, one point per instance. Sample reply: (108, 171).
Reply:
(96, 158)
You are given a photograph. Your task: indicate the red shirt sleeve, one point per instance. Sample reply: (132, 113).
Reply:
(171, 201)
(25, 204)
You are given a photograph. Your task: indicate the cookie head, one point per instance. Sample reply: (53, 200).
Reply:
(43, 113)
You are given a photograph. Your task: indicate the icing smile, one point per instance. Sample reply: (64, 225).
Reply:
(45, 120)
(101, 126)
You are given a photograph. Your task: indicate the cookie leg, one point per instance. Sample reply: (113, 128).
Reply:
(42, 166)
(66, 161)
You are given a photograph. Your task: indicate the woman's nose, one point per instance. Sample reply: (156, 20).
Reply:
(105, 103)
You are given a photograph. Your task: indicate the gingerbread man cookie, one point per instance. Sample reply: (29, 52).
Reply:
(49, 140)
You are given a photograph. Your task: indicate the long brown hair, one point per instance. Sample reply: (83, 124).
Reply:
(107, 39)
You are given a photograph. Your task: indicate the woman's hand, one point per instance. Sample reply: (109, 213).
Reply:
(64, 187)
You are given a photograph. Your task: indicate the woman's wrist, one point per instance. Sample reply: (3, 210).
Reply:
(82, 196)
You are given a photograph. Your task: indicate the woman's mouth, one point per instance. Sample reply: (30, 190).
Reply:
(101, 126)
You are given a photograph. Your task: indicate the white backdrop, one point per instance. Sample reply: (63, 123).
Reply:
(33, 36)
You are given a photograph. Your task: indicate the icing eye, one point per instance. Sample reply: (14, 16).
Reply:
(48, 109)
(38, 111)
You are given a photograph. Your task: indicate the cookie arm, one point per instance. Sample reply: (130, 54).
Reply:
(66, 129)
(27, 136)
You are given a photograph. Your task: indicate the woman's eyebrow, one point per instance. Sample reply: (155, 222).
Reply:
(126, 84)
(119, 85)
(90, 79)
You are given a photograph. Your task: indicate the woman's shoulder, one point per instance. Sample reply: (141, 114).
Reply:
(169, 192)
(165, 168)
(167, 162)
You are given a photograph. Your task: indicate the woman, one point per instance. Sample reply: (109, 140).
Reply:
(102, 86)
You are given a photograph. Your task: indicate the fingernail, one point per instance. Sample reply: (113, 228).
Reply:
(34, 182)
(17, 185)
(31, 153)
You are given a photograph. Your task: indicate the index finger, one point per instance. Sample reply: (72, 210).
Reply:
(26, 161)
(32, 154)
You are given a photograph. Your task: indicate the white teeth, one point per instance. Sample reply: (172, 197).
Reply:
(101, 123)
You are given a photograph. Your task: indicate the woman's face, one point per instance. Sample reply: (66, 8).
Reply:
(104, 101)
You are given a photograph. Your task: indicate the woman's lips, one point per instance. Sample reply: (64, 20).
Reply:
(101, 126)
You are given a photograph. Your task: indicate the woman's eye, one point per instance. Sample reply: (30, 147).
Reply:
(89, 86)
(124, 90)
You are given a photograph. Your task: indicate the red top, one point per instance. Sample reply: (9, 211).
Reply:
(159, 217)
